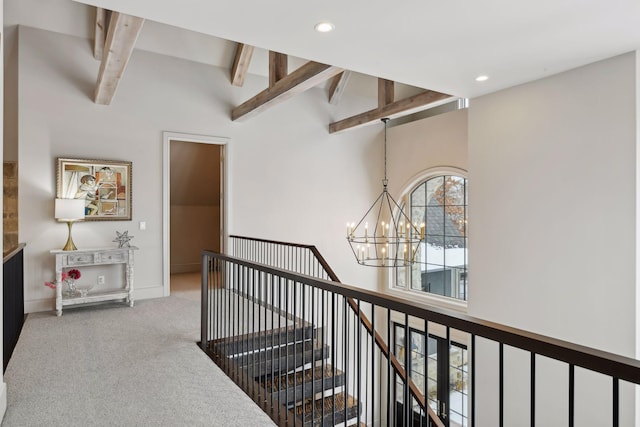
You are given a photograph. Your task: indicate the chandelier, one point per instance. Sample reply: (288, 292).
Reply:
(385, 236)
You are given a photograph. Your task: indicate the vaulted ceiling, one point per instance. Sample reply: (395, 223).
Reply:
(439, 46)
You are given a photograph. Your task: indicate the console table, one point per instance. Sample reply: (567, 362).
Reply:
(100, 256)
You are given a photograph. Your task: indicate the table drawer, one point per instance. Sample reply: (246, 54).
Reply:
(80, 259)
(115, 257)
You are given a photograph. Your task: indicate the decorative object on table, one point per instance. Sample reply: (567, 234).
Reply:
(104, 186)
(83, 290)
(68, 279)
(123, 239)
(393, 240)
(69, 211)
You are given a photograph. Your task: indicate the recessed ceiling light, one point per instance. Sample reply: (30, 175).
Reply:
(482, 78)
(324, 27)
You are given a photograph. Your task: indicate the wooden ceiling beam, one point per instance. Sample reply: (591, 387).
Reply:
(278, 67)
(121, 38)
(305, 77)
(100, 32)
(241, 62)
(416, 101)
(338, 84)
(385, 92)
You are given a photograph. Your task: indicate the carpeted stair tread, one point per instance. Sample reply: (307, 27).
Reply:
(277, 361)
(290, 380)
(339, 408)
(263, 340)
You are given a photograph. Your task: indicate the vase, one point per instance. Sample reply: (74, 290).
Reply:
(71, 287)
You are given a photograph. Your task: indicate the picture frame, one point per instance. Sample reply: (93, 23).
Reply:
(105, 185)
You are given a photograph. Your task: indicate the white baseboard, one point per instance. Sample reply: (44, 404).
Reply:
(49, 304)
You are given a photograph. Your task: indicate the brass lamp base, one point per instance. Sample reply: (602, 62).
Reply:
(69, 246)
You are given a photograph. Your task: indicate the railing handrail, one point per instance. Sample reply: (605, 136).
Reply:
(614, 365)
(323, 262)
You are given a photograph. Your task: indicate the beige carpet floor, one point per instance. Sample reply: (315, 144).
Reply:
(111, 365)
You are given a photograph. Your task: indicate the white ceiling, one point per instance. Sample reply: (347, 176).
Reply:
(438, 45)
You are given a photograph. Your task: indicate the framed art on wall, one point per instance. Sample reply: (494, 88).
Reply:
(104, 185)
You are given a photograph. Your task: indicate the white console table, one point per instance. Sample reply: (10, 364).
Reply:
(100, 256)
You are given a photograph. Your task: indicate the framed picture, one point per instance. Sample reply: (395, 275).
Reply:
(104, 185)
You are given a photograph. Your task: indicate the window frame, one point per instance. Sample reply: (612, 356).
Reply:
(404, 200)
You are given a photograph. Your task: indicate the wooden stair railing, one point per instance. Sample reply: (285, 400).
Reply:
(364, 321)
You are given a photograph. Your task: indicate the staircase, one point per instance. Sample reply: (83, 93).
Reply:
(290, 365)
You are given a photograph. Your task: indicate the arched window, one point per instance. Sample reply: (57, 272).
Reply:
(440, 202)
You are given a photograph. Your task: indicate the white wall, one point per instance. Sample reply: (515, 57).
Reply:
(552, 215)
(424, 145)
(289, 179)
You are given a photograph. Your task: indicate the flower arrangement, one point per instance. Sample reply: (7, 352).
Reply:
(67, 277)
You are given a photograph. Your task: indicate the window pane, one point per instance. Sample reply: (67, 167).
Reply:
(434, 185)
(417, 216)
(418, 196)
(454, 191)
(436, 282)
(454, 220)
(454, 252)
(435, 221)
(416, 275)
(435, 250)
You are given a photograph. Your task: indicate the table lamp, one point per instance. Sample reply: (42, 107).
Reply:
(69, 211)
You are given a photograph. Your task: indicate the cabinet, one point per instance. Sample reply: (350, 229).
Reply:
(87, 257)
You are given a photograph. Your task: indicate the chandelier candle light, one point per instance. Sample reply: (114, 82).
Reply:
(385, 236)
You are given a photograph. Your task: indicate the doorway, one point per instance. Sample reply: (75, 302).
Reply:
(194, 207)
(443, 364)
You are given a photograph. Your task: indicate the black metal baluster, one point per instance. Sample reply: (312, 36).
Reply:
(229, 315)
(333, 355)
(616, 402)
(273, 312)
(323, 363)
(304, 337)
(425, 367)
(286, 374)
(345, 352)
(359, 358)
(243, 333)
(571, 394)
(204, 312)
(501, 361)
(255, 289)
(279, 344)
(473, 380)
(295, 345)
(313, 357)
(373, 361)
(407, 349)
(390, 350)
(533, 389)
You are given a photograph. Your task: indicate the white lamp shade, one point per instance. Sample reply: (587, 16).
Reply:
(69, 209)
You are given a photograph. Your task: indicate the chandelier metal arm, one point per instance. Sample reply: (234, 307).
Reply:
(393, 246)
